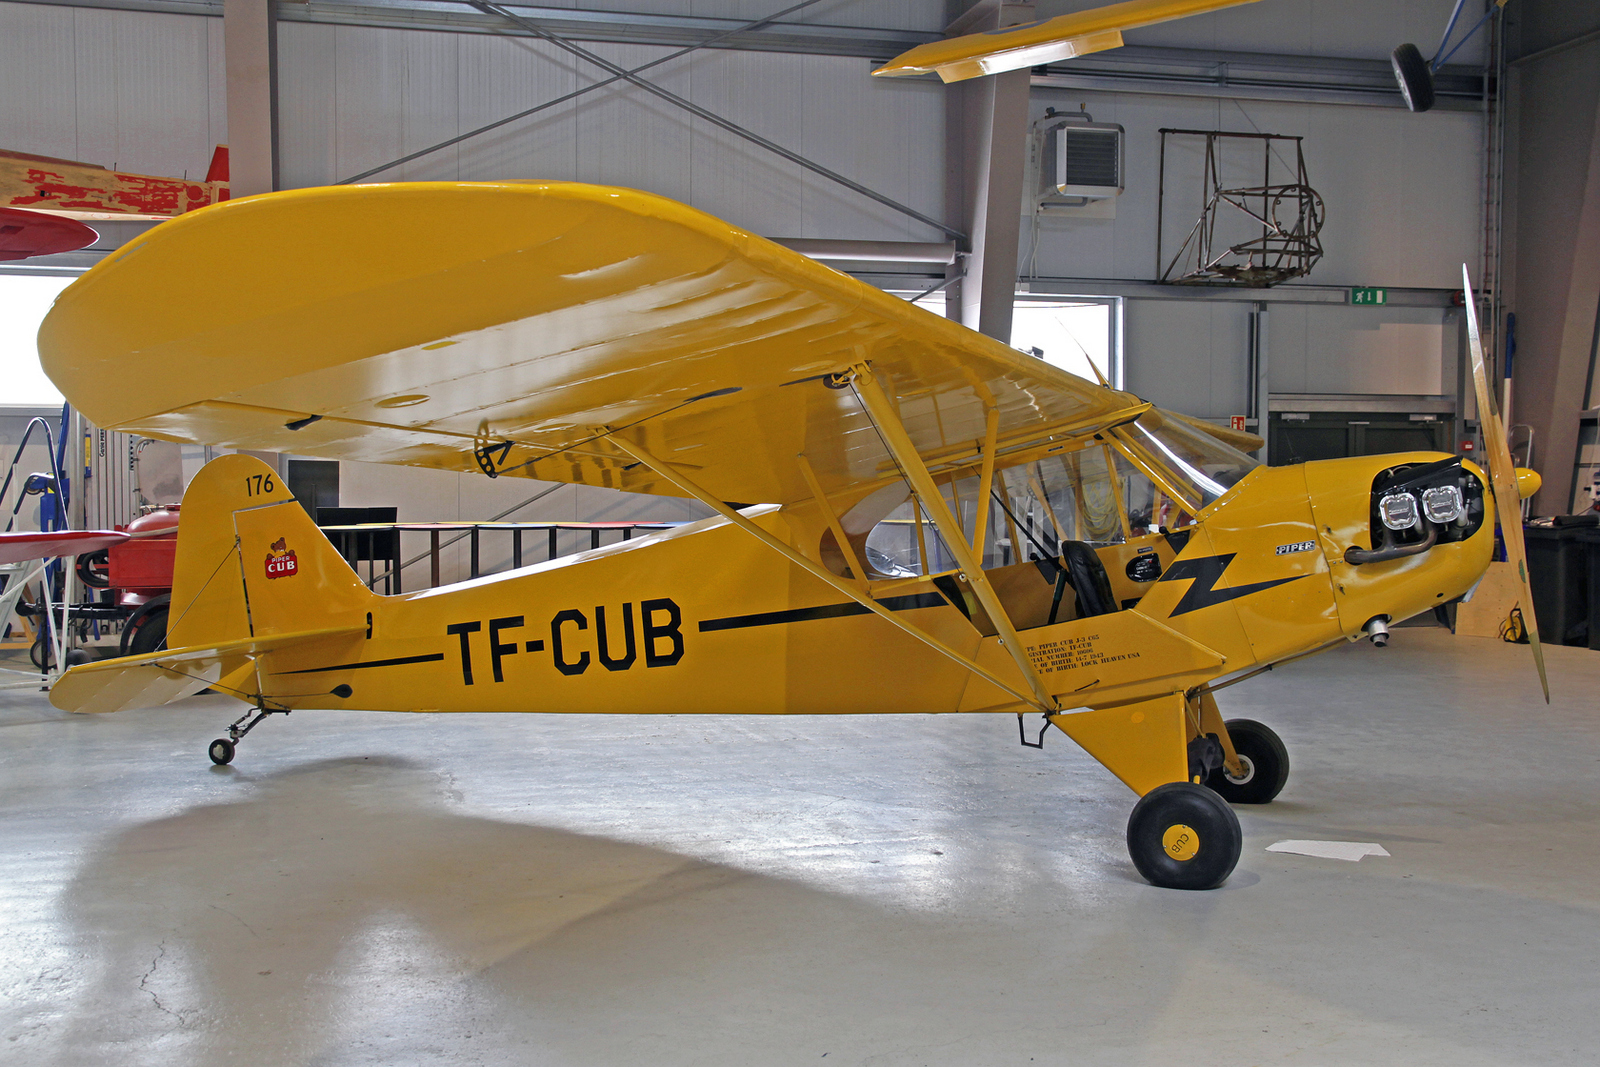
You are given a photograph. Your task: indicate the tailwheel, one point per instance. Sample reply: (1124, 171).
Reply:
(1184, 836)
(221, 750)
(1264, 760)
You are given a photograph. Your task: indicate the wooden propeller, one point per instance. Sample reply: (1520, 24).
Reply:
(1507, 498)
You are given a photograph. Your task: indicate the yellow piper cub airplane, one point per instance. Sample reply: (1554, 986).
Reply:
(909, 517)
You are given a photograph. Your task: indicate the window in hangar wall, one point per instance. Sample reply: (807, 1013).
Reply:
(1069, 332)
(24, 301)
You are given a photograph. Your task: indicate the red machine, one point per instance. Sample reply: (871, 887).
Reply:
(137, 574)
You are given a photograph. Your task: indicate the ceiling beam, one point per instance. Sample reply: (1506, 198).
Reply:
(626, 27)
(1134, 68)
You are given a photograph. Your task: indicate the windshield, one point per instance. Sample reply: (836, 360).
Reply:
(1094, 494)
(1196, 462)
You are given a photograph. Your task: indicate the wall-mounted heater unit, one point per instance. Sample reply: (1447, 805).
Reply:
(1079, 163)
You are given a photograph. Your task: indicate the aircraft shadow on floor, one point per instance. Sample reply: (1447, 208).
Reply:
(346, 912)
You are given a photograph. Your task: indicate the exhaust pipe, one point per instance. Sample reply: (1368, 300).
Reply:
(1377, 630)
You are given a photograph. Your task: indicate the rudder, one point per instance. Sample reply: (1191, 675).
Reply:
(251, 563)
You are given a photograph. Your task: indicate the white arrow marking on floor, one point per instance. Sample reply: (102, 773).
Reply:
(1330, 850)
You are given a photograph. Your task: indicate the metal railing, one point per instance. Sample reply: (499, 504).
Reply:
(379, 544)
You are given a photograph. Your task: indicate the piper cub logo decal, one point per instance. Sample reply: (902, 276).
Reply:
(282, 563)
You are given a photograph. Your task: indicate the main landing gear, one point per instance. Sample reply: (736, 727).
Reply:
(1184, 836)
(222, 749)
(1265, 763)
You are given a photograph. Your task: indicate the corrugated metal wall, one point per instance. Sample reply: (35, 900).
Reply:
(143, 92)
(352, 98)
(1402, 191)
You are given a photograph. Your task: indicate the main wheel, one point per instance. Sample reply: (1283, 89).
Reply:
(1184, 836)
(1266, 765)
(221, 751)
(1415, 76)
(146, 629)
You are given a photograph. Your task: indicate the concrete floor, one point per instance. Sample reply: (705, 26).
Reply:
(390, 889)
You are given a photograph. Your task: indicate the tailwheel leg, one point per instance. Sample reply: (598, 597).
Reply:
(222, 749)
(1184, 836)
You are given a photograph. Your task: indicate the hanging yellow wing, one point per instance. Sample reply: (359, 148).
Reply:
(459, 325)
(1046, 41)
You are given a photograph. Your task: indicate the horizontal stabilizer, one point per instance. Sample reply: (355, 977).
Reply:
(158, 678)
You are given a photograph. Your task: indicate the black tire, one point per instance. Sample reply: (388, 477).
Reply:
(146, 629)
(221, 752)
(1414, 75)
(1184, 836)
(94, 569)
(1266, 765)
(41, 653)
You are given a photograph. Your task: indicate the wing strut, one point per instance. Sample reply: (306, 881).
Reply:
(905, 453)
(845, 547)
(1044, 704)
(991, 435)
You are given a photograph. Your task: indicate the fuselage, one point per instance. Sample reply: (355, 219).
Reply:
(704, 618)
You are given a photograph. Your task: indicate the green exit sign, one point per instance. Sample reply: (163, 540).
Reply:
(1369, 296)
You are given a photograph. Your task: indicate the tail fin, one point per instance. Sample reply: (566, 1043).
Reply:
(251, 563)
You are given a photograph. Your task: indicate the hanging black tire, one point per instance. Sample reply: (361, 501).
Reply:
(221, 752)
(41, 653)
(1266, 765)
(146, 629)
(1415, 76)
(1184, 836)
(94, 569)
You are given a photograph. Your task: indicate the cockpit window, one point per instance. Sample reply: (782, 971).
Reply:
(1199, 465)
(1095, 494)
(1071, 497)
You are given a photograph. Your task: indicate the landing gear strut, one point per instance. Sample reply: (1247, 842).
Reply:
(1263, 759)
(1184, 836)
(222, 749)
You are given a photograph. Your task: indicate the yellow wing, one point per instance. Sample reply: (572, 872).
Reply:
(1046, 41)
(509, 325)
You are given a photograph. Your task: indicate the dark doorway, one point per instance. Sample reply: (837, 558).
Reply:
(1302, 437)
(314, 482)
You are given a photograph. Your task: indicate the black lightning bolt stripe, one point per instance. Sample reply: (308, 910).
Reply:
(1206, 571)
(825, 611)
(429, 658)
